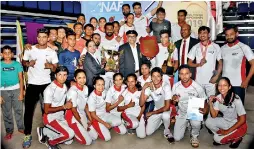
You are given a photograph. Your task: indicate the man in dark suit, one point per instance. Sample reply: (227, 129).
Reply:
(184, 46)
(130, 56)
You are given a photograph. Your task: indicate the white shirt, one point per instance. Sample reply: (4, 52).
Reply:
(109, 45)
(78, 98)
(134, 97)
(165, 79)
(95, 57)
(193, 90)
(38, 75)
(100, 32)
(234, 62)
(162, 56)
(181, 51)
(97, 53)
(55, 96)
(135, 55)
(112, 96)
(141, 24)
(176, 32)
(125, 28)
(230, 113)
(213, 54)
(97, 103)
(160, 95)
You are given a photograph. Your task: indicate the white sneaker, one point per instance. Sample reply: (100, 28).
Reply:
(194, 142)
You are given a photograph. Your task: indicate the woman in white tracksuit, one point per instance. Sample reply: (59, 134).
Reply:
(77, 116)
(131, 111)
(114, 98)
(102, 120)
(232, 126)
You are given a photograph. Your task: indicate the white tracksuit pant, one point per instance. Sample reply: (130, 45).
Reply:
(209, 88)
(113, 120)
(108, 78)
(180, 127)
(215, 124)
(153, 123)
(58, 132)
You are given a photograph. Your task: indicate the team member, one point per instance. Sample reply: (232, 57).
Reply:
(88, 30)
(131, 111)
(126, 9)
(160, 92)
(101, 28)
(114, 98)
(126, 27)
(140, 20)
(181, 91)
(94, 22)
(160, 24)
(232, 126)
(206, 54)
(69, 58)
(76, 116)
(116, 28)
(57, 130)
(12, 92)
(40, 61)
(81, 18)
(102, 121)
(234, 55)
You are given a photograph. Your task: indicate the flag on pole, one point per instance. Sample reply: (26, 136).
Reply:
(20, 42)
(214, 18)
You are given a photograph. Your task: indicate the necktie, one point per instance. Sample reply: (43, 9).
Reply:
(183, 52)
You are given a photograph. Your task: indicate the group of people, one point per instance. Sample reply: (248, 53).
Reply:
(82, 97)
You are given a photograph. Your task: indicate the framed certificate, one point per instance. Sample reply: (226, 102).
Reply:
(193, 108)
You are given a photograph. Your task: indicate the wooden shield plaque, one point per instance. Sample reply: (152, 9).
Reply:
(149, 46)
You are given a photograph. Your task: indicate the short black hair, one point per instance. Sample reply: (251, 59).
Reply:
(79, 71)
(42, 30)
(108, 24)
(61, 68)
(116, 22)
(164, 32)
(6, 47)
(157, 69)
(92, 19)
(95, 34)
(203, 28)
(88, 42)
(231, 26)
(103, 18)
(147, 64)
(61, 27)
(184, 66)
(81, 15)
(77, 23)
(132, 75)
(52, 28)
(117, 74)
(183, 11)
(161, 9)
(89, 25)
(126, 5)
(129, 14)
(136, 3)
(70, 33)
(95, 79)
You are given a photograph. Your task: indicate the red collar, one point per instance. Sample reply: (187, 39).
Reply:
(181, 24)
(209, 42)
(186, 86)
(166, 44)
(133, 90)
(58, 84)
(232, 44)
(100, 29)
(110, 38)
(117, 89)
(144, 78)
(96, 93)
(81, 89)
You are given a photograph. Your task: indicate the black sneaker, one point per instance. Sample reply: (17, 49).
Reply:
(41, 136)
(236, 144)
(52, 146)
(216, 144)
(170, 138)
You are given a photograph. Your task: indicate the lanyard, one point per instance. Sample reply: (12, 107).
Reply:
(205, 48)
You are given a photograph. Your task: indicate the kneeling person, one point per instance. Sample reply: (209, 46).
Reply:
(54, 107)
(160, 92)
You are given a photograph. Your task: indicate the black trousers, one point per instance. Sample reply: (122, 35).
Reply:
(32, 96)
